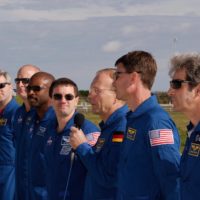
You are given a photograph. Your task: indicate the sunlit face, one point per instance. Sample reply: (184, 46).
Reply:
(22, 81)
(102, 94)
(38, 98)
(5, 90)
(64, 100)
(122, 82)
(182, 98)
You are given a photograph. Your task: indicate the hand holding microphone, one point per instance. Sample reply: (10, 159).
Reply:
(77, 136)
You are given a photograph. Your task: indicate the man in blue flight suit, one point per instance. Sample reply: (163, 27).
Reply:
(149, 160)
(101, 161)
(8, 107)
(65, 172)
(185, 96)
(33, 136)
(24, 74)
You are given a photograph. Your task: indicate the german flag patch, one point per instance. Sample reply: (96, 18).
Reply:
(118, 136)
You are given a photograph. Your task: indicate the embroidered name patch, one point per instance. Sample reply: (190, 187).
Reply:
(194, 149)
(66, 147)
(3, 121)
(131, 133)
(161, 137)
(41, 131)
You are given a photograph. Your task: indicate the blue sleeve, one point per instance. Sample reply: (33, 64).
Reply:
(102, 168)
(166, 162)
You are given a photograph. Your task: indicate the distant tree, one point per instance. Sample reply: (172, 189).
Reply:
(162, 97)
(83, 93)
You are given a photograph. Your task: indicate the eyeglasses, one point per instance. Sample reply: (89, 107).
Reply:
(117, 74)
(3, 85)
(35, 88)
(176, 83)
(23, 80)
(98, 91)
(68, 97)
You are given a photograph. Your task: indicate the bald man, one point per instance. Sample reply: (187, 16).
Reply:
(24, 74)
(32, 173)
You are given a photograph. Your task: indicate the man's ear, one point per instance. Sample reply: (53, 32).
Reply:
(198, 89)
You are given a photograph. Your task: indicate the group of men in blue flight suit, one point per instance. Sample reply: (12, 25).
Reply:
(101, 162)
(136, 155)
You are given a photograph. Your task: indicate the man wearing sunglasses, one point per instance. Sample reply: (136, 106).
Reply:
(149, 159)
(23, 77)
(8, 107)
(185, 96)
(65, 172)
(101, 161)
(32, 173)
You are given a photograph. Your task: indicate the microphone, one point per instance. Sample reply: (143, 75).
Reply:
(79, 120)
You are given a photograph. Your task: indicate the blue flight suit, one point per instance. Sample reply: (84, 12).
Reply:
(190, 165)
(7, 151)
(150, 159)
(101, 162)
(59, 160)
(19, 121)
(33, 174)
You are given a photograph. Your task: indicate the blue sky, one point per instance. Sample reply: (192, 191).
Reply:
(75, 38)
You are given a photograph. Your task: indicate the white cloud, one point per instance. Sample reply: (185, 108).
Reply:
(112, 46)
(80, 11)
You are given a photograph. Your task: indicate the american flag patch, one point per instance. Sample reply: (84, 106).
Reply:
(161, 136)
(92, 138)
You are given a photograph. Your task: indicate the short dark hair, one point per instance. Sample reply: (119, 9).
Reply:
(65, 82)
(141, 62)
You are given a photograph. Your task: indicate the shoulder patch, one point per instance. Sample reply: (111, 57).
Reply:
(161, 137)
(118, 136)
(92, 138)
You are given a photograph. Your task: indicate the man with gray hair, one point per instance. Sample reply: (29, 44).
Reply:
(8, 107)
(185, 96)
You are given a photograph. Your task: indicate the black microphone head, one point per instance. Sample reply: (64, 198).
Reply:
(78, 120)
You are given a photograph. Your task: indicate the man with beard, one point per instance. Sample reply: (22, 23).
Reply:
(23, 77)
(33, 137)
(8, 107)
(65, 172)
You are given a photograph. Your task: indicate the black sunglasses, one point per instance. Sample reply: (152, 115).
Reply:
(23, 80)
(3, 85)
(35, 88)
(177, 83)
(68, 97)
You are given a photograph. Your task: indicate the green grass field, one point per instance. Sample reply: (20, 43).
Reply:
(180, 120)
